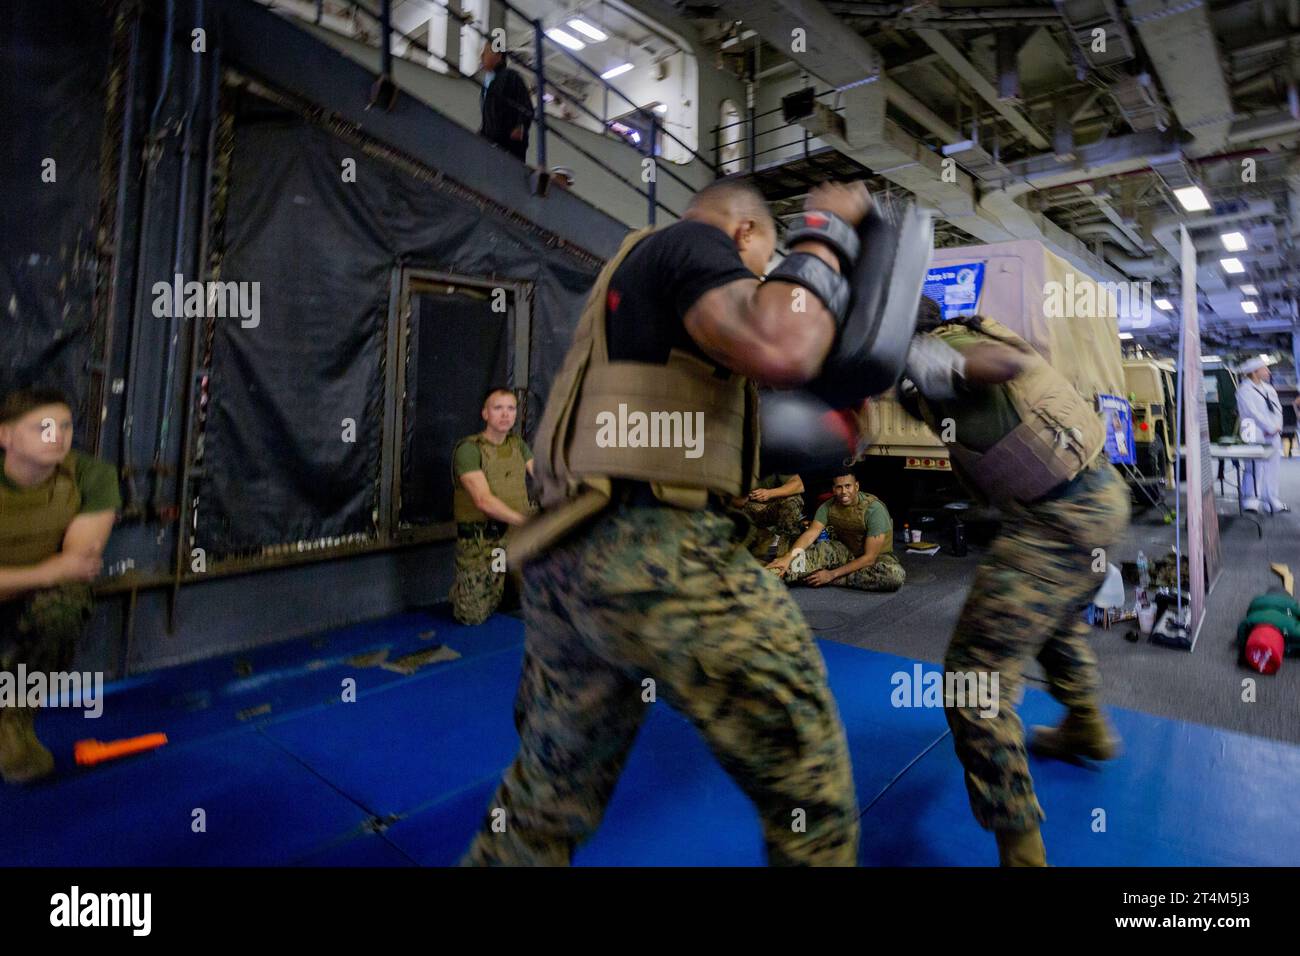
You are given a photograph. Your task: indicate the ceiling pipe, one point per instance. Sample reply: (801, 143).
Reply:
(1280, 123)
(1165, 231)
(1204, 160)
(1003, 206)
(1149, 267)
(1111, 232)
(1184, 52)
(918, 111)
(911, 15)
(968, 72)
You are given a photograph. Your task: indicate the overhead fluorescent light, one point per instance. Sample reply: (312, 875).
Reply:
(1233, 241)
(1232, 266)
(1164, 305)
(1249, 290)
(616, 71)
(1210, 358)
(1250, 308)
(565, 39)
(1192, 199)
(1126, 335)
(661, 108)
(587, 30)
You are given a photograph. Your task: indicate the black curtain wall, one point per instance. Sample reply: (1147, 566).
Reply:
(293, 438)
(54, 73)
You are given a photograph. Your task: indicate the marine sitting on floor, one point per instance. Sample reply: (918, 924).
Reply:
(775, 511)
(490, 496)
(860, 551)
(57, 507)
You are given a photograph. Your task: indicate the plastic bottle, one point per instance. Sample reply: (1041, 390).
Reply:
(1144, 574)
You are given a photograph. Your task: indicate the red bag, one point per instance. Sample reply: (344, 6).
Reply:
(1264, 648)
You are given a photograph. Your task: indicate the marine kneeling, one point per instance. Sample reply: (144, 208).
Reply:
(490, 496)
(860, 552)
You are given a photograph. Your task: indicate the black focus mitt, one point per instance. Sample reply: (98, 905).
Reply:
(885, 285)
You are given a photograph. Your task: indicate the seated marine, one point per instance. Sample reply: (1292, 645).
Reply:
(860, 550)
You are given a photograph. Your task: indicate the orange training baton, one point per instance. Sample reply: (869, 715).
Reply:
(90, 752)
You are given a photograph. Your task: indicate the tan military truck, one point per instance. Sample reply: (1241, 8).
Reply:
(1149, 386)
(1064, 313)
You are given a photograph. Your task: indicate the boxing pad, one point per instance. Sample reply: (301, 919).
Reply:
(800, 432)
(823, 425)
(869, 352)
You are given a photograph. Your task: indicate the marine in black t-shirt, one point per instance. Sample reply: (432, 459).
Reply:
(645, 587)
(651, 292)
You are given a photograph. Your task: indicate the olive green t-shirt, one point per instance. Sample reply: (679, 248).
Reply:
(468, 457)
(96, 481)
(877, 518)
(982, 415)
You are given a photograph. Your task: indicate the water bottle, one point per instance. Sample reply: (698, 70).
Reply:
(958, 538)
(1144, 576)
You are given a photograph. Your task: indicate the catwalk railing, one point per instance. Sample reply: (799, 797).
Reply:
(541, 47)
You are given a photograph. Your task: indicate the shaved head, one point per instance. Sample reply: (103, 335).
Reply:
(739, 210)
(734, 198)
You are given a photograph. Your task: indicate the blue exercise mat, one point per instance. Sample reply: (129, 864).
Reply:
(367, 849)
(1180, 795)
(439, 834)
(672, 783)
(195, 700)
(407, 743)
(406, 773)
(262, 807)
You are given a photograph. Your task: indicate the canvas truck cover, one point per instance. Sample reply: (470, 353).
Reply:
(1064, 313)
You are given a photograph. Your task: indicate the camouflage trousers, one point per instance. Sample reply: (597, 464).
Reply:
(885, 575)
(41, 629)
(478, 588)
(1027, 601)
(661, 604)
(783, 516)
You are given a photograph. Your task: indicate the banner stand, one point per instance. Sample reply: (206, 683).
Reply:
(1204, 562)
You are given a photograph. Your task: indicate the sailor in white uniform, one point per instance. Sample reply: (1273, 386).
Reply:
(1260, 412)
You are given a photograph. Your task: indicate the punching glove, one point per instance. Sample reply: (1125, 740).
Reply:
(800, 432)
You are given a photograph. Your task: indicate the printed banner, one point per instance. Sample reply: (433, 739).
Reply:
(1117, 414)
(956, 288)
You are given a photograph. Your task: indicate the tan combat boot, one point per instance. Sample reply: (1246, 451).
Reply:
(1081, 734)
(23, 758)
(1021, 847)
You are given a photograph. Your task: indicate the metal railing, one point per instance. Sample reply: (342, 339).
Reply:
(542, 45)
(749, 158)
